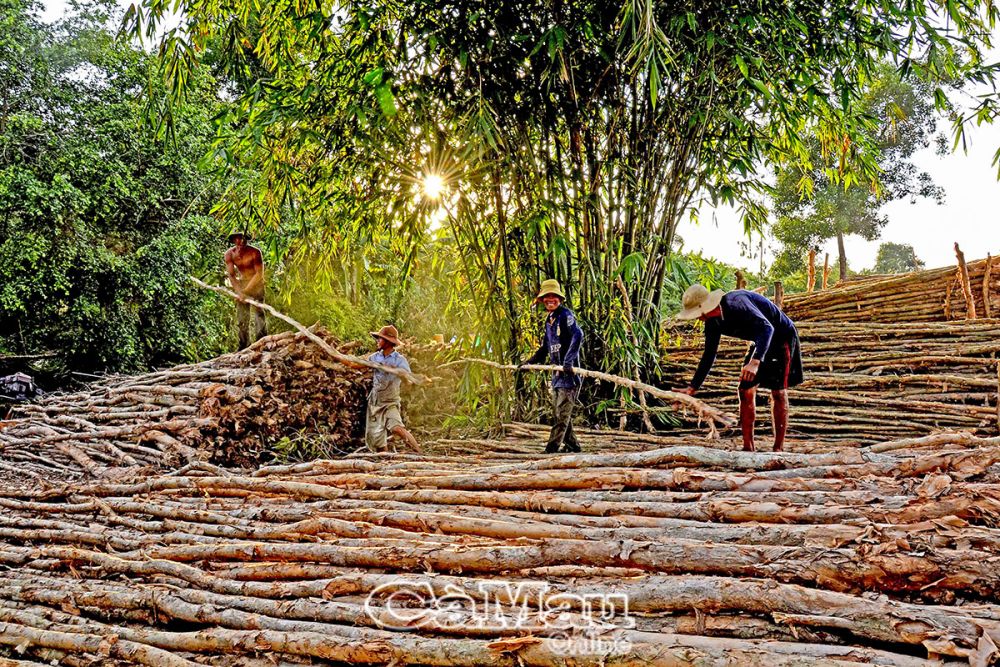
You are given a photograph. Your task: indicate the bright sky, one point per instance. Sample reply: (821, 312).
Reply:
(972, 198)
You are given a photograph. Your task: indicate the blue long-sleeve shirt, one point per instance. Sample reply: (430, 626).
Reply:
(748, 316)
(563, 337)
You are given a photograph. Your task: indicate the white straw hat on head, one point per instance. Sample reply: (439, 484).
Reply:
(697, 301)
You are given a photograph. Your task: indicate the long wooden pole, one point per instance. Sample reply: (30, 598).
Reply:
(811, 280)
(704, 410)
(963, 276)
(987, 277)
(329, 349)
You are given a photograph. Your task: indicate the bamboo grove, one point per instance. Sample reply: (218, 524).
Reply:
(572, 139)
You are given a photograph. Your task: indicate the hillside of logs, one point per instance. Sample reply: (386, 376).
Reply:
(866, 382)
(140, 522)
(968, 290)
(886, 555)
(228, 411)
(884, 356)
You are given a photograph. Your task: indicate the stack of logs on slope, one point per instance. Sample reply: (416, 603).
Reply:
(885, 556)
(923, 296)
(867, 382)
(227, 410)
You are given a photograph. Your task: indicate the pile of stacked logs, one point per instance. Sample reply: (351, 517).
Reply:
(871, 381)
(228, 410)
(886, 555)
(966, 291)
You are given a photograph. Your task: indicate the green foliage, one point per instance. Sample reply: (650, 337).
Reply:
(305, 447)
(95, 246)
(813, 208)
(573, 137)
(897, 258)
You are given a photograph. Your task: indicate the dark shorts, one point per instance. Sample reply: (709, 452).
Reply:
(780, 368)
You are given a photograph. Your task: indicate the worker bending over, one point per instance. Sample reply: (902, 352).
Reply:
(773, 361)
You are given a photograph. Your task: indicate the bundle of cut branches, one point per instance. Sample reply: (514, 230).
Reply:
(722, 557)
(921, 296)
(868, 381)
(226, 410)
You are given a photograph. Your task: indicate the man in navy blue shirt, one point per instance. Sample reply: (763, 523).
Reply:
(773, 361)
(562, 346)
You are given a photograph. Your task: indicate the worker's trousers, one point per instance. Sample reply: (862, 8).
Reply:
(563, 400)
(250, 323)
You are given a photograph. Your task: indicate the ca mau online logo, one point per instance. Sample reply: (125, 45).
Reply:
(573, 624)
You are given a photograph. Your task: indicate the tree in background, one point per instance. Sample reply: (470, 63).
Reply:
(100, 223)
(897, 258)
(812, 209)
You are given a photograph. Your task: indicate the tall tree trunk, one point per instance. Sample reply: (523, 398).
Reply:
(501, 209)
(843, 255)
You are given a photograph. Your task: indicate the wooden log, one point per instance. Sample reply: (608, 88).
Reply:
(867, 619)
(987, 278)
(826, 271)
(811, 278)
(963, 273)
(844, 569)
(704, 411)
(356, 646)
(13, 634)
(779, 294)
(246, 614)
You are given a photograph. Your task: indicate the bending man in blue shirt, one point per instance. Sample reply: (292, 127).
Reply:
(773, 360)
(562, 346)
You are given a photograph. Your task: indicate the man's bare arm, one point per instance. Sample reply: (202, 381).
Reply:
(231, 273)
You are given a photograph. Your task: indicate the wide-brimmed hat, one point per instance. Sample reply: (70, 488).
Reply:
(697, 301)
(389, 333)
(233, 234)
(550, 286)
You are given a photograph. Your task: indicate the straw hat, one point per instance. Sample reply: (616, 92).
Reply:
(697, 301)
(389, 333)
(237, 232)
(550, 286)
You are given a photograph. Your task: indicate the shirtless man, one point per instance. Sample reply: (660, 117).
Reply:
(245, 268)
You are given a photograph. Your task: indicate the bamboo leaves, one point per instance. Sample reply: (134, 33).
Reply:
(583, 133)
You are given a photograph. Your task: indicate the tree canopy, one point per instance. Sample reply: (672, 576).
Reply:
(573, 137)
(897, 258)
(570, 139)
(99, 224)
(811, 208)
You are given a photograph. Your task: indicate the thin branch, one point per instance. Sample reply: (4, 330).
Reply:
(329, 349)
(705, 412)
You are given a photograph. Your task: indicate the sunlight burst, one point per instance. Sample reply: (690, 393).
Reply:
(433, 186)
